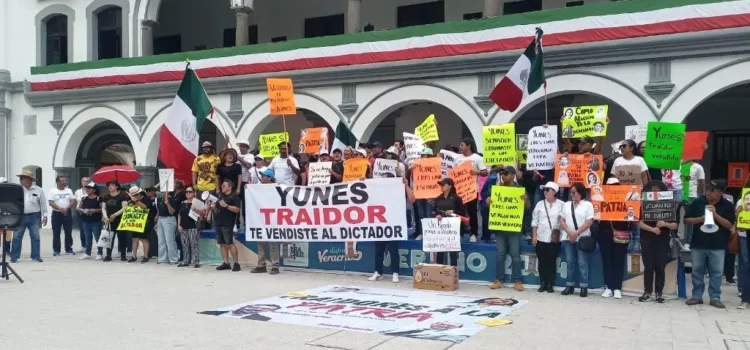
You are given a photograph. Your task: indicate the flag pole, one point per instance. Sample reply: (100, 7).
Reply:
(546, 119)
(286, 143)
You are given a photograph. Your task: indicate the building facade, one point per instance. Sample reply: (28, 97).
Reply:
(89, 83)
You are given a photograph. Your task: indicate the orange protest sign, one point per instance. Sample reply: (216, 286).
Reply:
(355, 169)
(426, 172)
(465, 182)
(621, 203)
(737, 174)
(281, 96)
(583, 168)
(313, 140)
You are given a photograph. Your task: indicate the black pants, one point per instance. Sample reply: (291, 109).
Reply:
(242, 207)
(63, 222)
(729, 265)
(392, 247)
(441, 258)
(655, 253)
(613, 260)
(473, 212)
(546, 254)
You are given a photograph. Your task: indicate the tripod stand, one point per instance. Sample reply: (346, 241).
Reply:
(5, 269)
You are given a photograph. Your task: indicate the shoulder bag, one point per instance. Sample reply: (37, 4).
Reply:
(555, 232)
(585, 244)
(619, 236)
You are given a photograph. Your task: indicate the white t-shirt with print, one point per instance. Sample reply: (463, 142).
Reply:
(281, 170)
(676, 179)
(254, 175)
(62, 197)
(621, 161)
(477, 162)
(584, 211)
(696, 173)
(250, 158)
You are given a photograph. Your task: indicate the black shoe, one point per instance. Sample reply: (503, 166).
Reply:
(542, 288)
(584, 292)
(550, 288)
(224, 266)
(197, 266)
(108, 258)
(132, 259)
(645, 297)
(236, 267)
(144, 260)
(259, 269)
(274, 271)
(659, 298)
(182, 265)
(568, 291)
(123, 257)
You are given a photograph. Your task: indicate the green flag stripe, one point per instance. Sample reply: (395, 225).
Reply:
(191, 92)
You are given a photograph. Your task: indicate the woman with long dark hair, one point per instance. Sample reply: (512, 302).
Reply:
(113, 204)
(576, 221)
(390, 246)
(90, 213)
(468, 149)
(448, 204)
(655, 237)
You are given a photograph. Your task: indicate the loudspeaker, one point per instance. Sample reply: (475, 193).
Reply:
(11, 206)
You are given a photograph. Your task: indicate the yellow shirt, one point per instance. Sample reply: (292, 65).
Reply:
(205, 166)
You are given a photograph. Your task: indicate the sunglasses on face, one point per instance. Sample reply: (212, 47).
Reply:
(189, 191)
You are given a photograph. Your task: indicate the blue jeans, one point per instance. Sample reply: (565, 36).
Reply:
(91, 231)
(677, 195)
(166, 228)
(713, 261)
(576, 261)
(32, 223)
(743, 265)
(423, 208)
(77, 215)
(508, 243)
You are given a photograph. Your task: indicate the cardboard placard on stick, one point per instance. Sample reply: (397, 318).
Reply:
(542, 148)
(583, 121)
(583, 168)
(166, 180)
(319, 173)
(465, 181)
(500, 144)
(281, 96)
(428, 130)
(426, 175)
(355, 169)
(621, 203)
(269, 144)
(313, 141)
(664, 143)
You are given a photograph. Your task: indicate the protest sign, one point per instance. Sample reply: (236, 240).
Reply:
(384, 168)
(743, 216)
(737, 174)
(133, 219)
(499, 144)
(583, 121)
(359, 211)
(319, 173)
(166, 180)
(269, 144)
(281, 96)
(412, 146)
(441, 236)
(355, 169)
(692, 148)
(420, 315)
(426, 175)
(621, 203)
(449, 160)
(465, 181)
(313, 141)
(629, 174)
(506, 208)
(664, 142)
(542, 148)
(583, 168)
(427, 131)
(636, 133)
(522, 144)
(659, 206)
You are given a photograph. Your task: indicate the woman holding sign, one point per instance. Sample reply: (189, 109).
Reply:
(576, 221)
(390, 246)
(448, 203)
(655, 249)
(613, 238)
(189, 230)
(113, 204)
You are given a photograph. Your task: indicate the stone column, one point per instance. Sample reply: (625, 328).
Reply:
(242, 34)
(147, 37)
(150, 175)
(354, 17)
(491, 8)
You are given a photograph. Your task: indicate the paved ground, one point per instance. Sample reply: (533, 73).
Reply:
(71, 304)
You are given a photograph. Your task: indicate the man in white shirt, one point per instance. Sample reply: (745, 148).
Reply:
(62, 200)
(285, 167)
(468, 150)
(34, 217)
(79, 194)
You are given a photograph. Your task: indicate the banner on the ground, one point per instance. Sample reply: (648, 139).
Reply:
(583, 168)
(664, 141)
(313, 141)
(319, 174)
(370, 210)
(499, 144)
(133, 219)
(737, 174)
(621, 203)
(449, 160)
(428, 130)
(413, 144)
(542, 148)
(269, 144)
(384, 168)
(441, 236)
(426, 175)
(659, 206)
(281, 96)
(465, 181)
(506, 208)
(583, 121)
(743, 216)
(522, 147)
(390, 312)
(355, 169)
(636, 133)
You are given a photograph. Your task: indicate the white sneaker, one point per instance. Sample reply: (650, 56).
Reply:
(473, 239)
(375, 276)
(618, 294)
(395, 277)
(98, 257)
(82, 250)
(607, 293)
(84, 257)
(419, 238)
(686, 247)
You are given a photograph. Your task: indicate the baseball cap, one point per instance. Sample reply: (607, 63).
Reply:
(720, 185)
(588, 139)
(258, 156)
(91, 184)
(509, 169)
(553, 186)
(446, 181)
(243, 142)
(207, 144)
(426, 152)
(376, 144)
(267, 172)
(613, 181)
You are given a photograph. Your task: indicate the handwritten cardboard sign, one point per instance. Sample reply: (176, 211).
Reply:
(133, 219)
(355, 169)
(319, 174)
(313, 141)
(281, 96)
(413, 144)
(664, 143)
(621, 203)
(449, 160)
(465, 181)
(166, 180)
(426, 175)
(584, 168)
(583, 121)
(441, 236)
(428, 130)
(659, 206)
(499, 144)
(506, 208)
(542, 148)
(384, 168)
(269, 144)
(636, 133)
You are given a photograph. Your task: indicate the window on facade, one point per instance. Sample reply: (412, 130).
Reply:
(324, 26)
(167, 44)
(419, 14)
(522, 6)
(473, 15)
(57, 40)
(573, 3)
(109, 30)
(230, 36)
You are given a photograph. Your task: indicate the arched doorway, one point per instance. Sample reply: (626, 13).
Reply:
(105, 144)
(392, 124)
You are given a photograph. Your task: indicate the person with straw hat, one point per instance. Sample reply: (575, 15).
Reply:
(34, 217)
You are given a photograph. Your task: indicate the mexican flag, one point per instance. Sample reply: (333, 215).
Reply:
(343, 138)
(179, 136)
(524, 78)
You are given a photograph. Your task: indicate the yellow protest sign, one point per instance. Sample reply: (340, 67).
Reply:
(506, 208)
(427, 131)
(281, 96)
(499, 144)
(269, 144)
(583, 121)
(743, 217)
(133, 219)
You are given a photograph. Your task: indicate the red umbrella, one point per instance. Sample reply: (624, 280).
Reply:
(121, 173)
